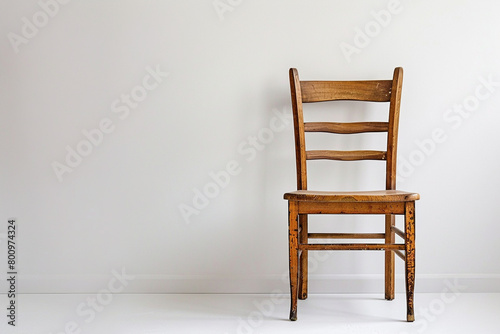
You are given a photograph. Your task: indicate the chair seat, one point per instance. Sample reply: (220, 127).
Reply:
(352, 196)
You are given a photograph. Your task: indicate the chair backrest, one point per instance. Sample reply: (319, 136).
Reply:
(372, 91)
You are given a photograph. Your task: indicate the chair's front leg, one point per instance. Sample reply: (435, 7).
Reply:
(410, 258)
(303, 259)
(293, 256)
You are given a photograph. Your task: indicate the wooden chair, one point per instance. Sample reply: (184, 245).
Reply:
(388, 202)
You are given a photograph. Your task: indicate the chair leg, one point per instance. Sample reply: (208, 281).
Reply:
(293, 256)
(389, 258)
(303, 259)
(410, 258)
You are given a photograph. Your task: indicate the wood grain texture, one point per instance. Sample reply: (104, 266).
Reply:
(346, 128)
(352, 246)
(388, 202)
(390, 175)
(293, 243)
(373, 90)
(352, 196)
(346, 236)
(303, 258)
(399, 254)
(298, 126)
(389, 261)
(410, 259)
(369, 208)
(397, 231)
(345, 155)
(392, 135)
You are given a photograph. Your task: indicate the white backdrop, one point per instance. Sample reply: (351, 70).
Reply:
(153, 138)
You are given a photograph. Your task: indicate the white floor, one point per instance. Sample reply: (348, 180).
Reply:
(247, 314)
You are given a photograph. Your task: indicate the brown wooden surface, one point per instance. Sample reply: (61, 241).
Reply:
(375, 91)
(390, 177)
(303, 258)
(352, 246)
(298, 125)
(345, 155)
(293, 233)
(398, 232)
(351, 196)
(400, 254)
(369, 208)
(346, 128)
(345, 236)
(389, 261)
(410, 258)
(388, 202)
(392, 135)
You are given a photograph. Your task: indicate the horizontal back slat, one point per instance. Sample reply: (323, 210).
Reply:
(345, 128)
(375, 91)
(345, 155)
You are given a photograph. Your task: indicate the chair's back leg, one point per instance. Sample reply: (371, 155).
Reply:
(303, 274)
(389, 258)
(410, 258)
(293, 230)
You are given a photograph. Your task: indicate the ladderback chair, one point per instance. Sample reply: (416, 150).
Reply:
(388, 202)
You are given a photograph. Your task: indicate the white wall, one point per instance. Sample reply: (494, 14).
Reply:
(119, 208)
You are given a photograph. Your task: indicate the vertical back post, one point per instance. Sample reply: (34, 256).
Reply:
(298, 122)
(391, 164)
(392, 135)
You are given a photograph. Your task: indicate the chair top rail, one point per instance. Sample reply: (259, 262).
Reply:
(370, 90)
